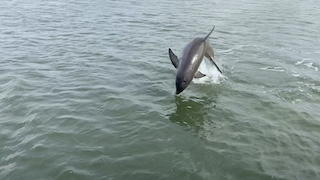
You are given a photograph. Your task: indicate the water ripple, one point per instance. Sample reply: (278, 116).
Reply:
(87, 90)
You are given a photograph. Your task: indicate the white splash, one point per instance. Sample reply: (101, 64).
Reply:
(213, 76)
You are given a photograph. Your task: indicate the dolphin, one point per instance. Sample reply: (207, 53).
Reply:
(192, 56)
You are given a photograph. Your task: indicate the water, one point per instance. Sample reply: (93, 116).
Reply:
(87, 90)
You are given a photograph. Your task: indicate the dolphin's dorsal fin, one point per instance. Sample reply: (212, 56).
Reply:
(204, 39)
(199, 75)
(174, 59)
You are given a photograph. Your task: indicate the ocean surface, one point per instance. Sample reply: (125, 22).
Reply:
(87, 90)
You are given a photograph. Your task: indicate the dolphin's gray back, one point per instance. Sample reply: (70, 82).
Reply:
(191, 57)
(191, 50)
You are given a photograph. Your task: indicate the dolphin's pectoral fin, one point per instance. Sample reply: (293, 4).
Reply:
(174, 59)
(210, 54)
(199, 75)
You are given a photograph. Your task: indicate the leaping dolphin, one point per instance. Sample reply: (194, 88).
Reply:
(190, 61)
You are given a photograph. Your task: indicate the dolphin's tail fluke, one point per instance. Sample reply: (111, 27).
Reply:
(204, 39)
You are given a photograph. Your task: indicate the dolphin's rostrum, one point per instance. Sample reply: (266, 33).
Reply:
(192, 56)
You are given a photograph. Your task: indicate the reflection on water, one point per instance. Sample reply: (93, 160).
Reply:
(192, 113)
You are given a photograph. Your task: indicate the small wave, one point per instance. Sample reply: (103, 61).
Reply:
(226, 51)
(245, 47)
(278, 69)
(6, 169)
(295, 74)
(302, 61)
(310, 65)
(307, 62)
(313, 87)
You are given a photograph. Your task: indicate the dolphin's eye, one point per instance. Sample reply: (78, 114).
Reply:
(184, 82)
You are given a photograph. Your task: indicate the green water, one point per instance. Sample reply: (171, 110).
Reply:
(87, 91)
